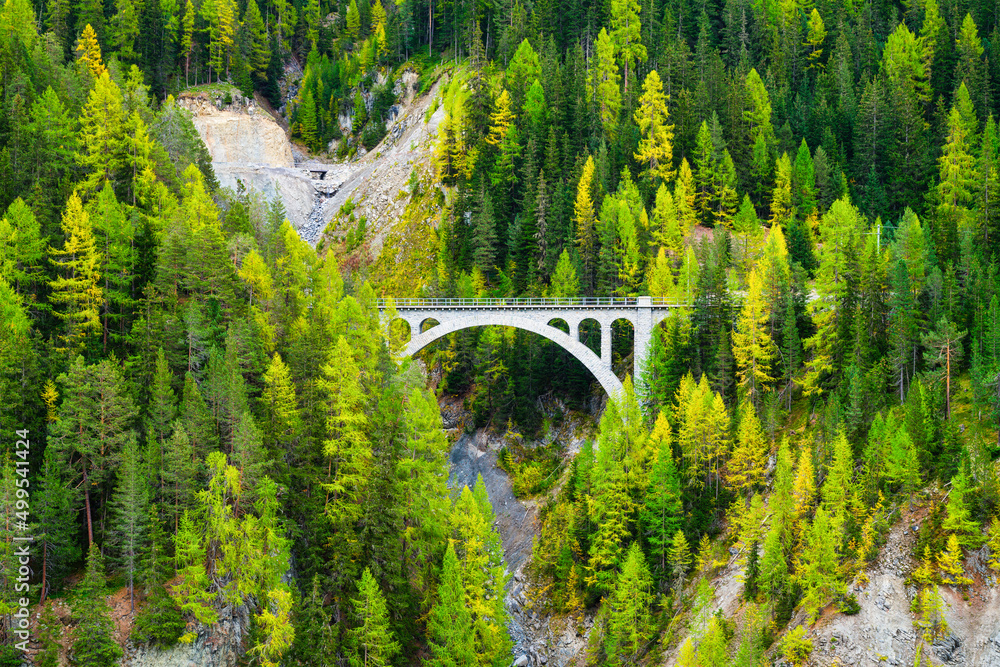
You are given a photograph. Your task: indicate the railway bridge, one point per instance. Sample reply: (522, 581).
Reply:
(431, 319)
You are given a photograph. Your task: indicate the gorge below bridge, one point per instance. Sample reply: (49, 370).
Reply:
(432, 319)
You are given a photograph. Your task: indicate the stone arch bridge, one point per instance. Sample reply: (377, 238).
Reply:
(447, 316)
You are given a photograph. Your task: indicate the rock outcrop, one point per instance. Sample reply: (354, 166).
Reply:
(218, 645)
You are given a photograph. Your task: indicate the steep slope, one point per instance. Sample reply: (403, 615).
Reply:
(248, 145)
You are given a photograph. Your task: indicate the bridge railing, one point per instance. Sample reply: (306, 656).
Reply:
(567, 302)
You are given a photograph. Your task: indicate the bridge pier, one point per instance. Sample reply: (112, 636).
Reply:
(606, 343)
(643, 333)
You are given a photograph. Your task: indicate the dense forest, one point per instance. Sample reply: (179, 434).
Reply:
(220, 419)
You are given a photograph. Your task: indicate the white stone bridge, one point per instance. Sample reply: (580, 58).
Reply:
(431, 319)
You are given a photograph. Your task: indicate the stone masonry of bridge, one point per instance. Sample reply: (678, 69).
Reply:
(537, 316)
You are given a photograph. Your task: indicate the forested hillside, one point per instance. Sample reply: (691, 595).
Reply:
(219, 420)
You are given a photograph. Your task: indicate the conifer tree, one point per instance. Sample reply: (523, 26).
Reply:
(484, 239)
(629, 619)
(680, 558)
(449, 627)
(375, 641)
(584, 219)
(749, 461)
(662, 510)
(130, 507)
(78, 289)
(753, 348)
(564, 282)
(949, 561)
(260, 45)
(943, 352)
(656, 146)
(818, 571)
(55, 528)
(95, 644)
(102, 134)
(603, 80)
(88, 47)
(959, 517)
(704, 171)
(758, 115)
(685, 198)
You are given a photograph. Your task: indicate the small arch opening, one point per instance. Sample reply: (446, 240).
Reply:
(622, 346)
(590, 335)
(559, 323)
(427, 324)
(399, 331)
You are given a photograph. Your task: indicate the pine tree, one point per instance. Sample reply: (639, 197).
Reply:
(94, 645)
(162, 401)
(449, 627)
(656, 146)
(943, 352)
(55, 526)
(93, 425)
(484, 238)
(375, 641)
(564, 282)
(629, 621)
(129, 507)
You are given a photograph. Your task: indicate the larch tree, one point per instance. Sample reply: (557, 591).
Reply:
(758, 115)
(818, 567)
(753, 347)
(376, 645)
(748, 464)
(585, 222)
(449, 626)
(662, 511)
(629, 618)
(102, 134)
(626, 33)
(603, 79)
(656, 145)
(78, 289)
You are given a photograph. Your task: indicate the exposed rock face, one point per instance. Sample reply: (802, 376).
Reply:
(242, 134)
(219, 645)
(248, 145)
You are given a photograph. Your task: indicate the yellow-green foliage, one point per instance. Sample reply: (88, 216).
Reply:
(409, 253)
(795, 647)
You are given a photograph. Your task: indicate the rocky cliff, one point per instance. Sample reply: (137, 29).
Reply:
(248, 145)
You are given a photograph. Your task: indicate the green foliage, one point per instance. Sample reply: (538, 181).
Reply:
(95, 644)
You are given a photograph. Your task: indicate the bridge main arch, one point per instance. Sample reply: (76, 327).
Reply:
(601, 370)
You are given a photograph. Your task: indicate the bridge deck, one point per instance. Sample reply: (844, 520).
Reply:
(539, 303)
